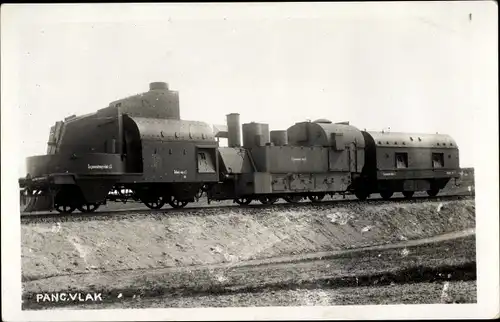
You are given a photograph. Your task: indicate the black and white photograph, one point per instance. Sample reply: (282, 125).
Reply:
(250, 161)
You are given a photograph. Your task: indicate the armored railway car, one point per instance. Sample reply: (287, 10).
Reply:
(137, 144)
(138, 148)
(313, 159)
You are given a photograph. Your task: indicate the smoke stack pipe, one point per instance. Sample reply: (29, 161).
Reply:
(279, 137)
(233, 130)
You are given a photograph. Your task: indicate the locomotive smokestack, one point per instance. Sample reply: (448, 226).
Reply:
(158, 85)
(279, 138)
(233, 130)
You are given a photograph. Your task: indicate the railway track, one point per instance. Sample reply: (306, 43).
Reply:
(197, 210)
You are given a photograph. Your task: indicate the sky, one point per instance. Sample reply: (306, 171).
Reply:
(412, 67)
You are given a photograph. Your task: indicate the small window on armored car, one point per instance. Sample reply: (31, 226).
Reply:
(401, 160)
(437, 160)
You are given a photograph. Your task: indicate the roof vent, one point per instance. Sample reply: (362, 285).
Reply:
(158, 85)
(324, 121)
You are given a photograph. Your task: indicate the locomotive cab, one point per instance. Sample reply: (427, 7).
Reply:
(309, 159)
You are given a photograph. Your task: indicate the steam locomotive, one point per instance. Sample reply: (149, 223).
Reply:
(138, 148)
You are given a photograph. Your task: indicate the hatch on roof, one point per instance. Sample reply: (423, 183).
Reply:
(323, 121)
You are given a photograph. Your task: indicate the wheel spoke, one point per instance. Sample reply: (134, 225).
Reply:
(316, 198)
(154, 202)
(293, 199)
(243, 201)
(268, 200)
(88, 207)
(64, 209)
(176, 203)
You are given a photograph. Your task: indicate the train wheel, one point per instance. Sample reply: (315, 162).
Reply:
(243, 201)
(433, 192)
(316, 198)
(88, 208)
(175, 203)
(154, 203)
(361, 195)
(408, 194)
(268, 200)
(63, 198)
(386, 194)
(293, 199)
(65, 209)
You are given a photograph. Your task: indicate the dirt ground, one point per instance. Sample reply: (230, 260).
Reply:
(421, 293)
(238, 234)
(418, 293)
(392, 269)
